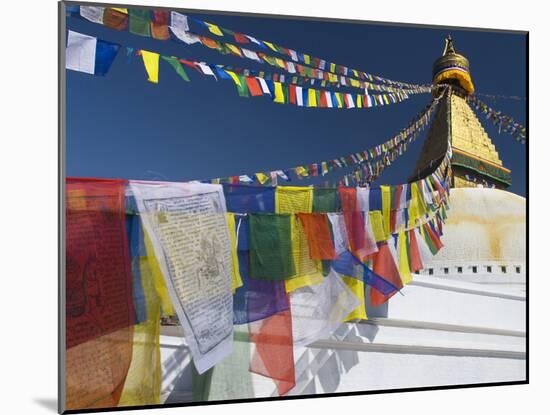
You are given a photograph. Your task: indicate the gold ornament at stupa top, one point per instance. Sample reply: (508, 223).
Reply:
(452, 68)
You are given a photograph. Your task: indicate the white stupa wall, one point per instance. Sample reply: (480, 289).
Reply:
(484, 238)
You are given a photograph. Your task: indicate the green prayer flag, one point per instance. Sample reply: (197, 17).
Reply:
(270, 247)
(140, 22)
(242, 89)
(325, 200)
(178, 67)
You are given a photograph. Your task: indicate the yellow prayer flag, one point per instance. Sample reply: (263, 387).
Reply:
(377, 225)
(291, 199)
(417, 207)
(404, 270)
(271, 46)
(301, 171)
(358, 289)
(214, 29)
(386, 206)
(143, 381)
(339, 99)
(262, 178)
(332, 67)
(234, 49)
(151, 62)
(120, 9)
(311, 98)
(160, 286)
(307, 59)
(236, 280)
(234, 76)
(280, 63)
(359, 101)
(279, 95)
(304, 281)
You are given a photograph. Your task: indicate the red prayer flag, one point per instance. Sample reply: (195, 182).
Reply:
(355, 222)
(292, 94)
(414, 253)
(240, 38)
(274, 354)
(159, 25)
(384, 265)
(323, 101)
(253, 86)
(99, 309)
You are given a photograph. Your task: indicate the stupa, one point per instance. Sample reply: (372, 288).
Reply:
(475, 159)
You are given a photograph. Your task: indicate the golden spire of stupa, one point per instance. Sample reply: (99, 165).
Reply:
(475, 159)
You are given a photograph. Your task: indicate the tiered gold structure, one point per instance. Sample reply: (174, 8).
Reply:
(475, 159)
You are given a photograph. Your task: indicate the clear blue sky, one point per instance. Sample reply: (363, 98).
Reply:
(121, 126)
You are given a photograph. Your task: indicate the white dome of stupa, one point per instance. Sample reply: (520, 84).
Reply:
(484, 238)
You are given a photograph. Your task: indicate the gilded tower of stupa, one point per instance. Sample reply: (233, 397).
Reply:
(475, 160)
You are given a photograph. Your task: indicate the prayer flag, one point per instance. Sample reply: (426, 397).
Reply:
(93, 13)
(253, 86)
(175, 63)
(236, 280)
(115, 19)
(279, 96)
(214, 29)
(151, 63)
(88, 54)
(159, 25)
(270, 246)
(140, 22)
(316, 228)
(384, 265)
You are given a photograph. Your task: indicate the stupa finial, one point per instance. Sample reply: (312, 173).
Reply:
(449, 46)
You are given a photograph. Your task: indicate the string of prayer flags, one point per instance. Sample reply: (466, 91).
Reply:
(296, 56)
(504, 122)
(88, 54)
(366, 160)
(156, 24)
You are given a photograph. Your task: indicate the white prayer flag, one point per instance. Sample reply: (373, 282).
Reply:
(263, 84)
(339, 232)
(92, 13)
(299, 96)
(329, 98)
(250, 54)
(188, 228)
(80, 53)
(206, 69)
(363, 198)
(318, 310)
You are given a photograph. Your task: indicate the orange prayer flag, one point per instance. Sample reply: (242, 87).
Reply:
(318, 236)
